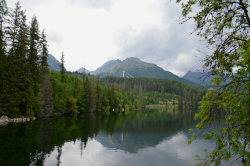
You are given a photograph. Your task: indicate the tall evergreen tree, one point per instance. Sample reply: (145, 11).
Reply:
(33, 58)
(46, 85)
(114, 101)
(44, 53)
(92, 98)
(3, 59)
(81, 95)
(87, 95)
(19, 91)
(62, 71)
(98, 98)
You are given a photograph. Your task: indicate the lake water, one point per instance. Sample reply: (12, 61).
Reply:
(147, 137)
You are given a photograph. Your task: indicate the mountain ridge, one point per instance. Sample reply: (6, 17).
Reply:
(136, 68)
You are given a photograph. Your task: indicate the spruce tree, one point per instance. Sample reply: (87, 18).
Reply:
(46, 85)
(87, 94)
(62, 71)
(3, 62)
(18, 92)
(81, 95)
(98, 98)
(33, 57)
(114, 101)
(92, 98)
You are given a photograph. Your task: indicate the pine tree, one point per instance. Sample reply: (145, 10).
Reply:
(62, 71)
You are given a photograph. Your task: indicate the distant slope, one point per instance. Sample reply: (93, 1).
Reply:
(199, 78)
(54, 64)
(86, 71)
(137, 68)
(108, 67)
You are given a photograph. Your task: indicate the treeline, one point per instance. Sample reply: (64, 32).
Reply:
(190, 95)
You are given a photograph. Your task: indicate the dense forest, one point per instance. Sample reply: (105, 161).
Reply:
(29, 88)
(170, 88)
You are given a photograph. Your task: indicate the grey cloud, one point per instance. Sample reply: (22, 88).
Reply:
(106, 4)
(53, 36)
(28, 5)
(169, 45)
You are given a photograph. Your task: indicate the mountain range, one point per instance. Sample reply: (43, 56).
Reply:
(136, 68)
(200, 78)
(133, 66)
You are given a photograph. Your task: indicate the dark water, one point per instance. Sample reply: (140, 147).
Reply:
(148, 137)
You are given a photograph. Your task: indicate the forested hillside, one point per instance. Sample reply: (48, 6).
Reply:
(187, 93)
(54, 64)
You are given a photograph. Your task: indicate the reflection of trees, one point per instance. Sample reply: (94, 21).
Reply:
(31, 142)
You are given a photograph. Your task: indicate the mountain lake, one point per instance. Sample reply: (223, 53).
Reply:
(146, 137)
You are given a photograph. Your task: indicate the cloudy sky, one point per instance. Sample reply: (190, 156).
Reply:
(91, 32)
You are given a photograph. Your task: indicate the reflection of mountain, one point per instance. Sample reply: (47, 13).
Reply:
(130, 142)
(147, 130)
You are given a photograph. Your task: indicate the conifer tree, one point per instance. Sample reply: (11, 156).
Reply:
(180, 103)
(46, 85)
(3, 57)
(62, 71)
(113, 98)
(19, 91)
(92, 98)
(87, 94)
(98, 102)
(76, 87)
(33, 57)
(81, 96)
(109, 98)
(44, 53)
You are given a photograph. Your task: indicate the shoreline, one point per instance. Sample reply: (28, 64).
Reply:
(4, 120)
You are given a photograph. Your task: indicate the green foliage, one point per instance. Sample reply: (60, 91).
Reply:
(225, 25)
(70, 105)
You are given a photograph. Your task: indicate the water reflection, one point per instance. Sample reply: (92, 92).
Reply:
(145, 137)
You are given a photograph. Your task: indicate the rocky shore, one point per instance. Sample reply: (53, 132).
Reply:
(4, 120)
